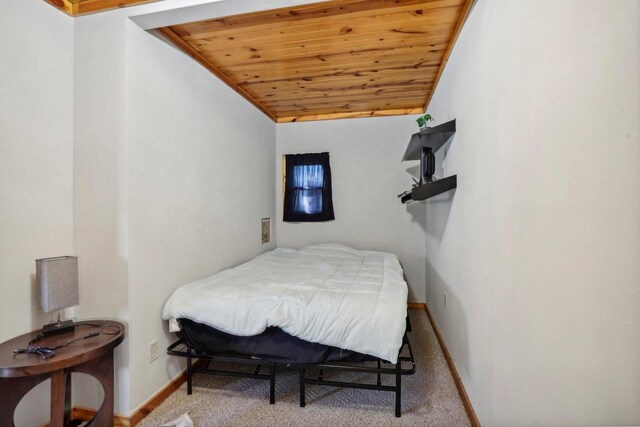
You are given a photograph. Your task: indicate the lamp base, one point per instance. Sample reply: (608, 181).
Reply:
(58, 328)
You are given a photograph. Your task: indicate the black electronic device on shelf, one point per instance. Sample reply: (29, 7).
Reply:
(423, 146)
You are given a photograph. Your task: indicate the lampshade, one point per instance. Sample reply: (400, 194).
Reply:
(58, 281)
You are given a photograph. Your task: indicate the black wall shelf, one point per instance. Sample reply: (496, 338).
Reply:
(425, 191)
(431, 140)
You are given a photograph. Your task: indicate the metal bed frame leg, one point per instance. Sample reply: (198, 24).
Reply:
(272, 385)
(190, 354)
(189, 373)
(398, 389)
(302, 391)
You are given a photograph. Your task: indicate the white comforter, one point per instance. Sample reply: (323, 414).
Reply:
(328, 294)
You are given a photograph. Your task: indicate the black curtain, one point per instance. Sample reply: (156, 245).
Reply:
(307, 195)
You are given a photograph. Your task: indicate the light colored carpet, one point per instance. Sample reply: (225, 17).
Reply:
(429, 397)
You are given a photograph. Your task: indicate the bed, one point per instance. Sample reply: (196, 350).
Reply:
(323, 307)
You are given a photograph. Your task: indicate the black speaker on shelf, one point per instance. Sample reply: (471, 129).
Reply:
(427, 165)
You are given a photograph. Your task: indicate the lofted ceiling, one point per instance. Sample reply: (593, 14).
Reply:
(333, 59)
(82, 7)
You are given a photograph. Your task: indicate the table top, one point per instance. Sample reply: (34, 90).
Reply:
(111, 335)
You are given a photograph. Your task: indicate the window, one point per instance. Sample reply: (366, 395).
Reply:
(307, 188)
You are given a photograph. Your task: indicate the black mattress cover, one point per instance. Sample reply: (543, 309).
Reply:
(273, 345)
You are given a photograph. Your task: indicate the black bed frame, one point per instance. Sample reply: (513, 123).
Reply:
(181, 348)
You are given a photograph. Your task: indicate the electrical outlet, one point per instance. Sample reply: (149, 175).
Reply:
(153, 350)
(445, 300)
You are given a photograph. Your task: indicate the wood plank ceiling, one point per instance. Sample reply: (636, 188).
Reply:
(83, 7)
(334, 59)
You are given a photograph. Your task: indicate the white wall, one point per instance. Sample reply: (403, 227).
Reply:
(174, 172)
(36, 165)
(100, 220)
(366, 178)
(200, 178)
(539, 248)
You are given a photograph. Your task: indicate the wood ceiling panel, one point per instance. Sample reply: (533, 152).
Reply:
(348, 43)
(337, 63)
(348, 115)
(360, 58)
(342, 114)
(348, 107)
(323, 11)
(376, 101)
(374, 96)
(358, 79)
(83, 7)
(413, 90)
(243, 56)
(303, 109)
(379, 102)
(380, 56)
(405, 22)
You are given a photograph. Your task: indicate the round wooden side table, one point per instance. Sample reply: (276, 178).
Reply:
(93, 356)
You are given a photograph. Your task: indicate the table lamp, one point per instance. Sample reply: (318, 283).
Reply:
(58, 281)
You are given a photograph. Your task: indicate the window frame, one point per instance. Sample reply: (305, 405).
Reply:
(289, 162)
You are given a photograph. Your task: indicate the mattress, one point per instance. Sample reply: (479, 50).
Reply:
(327, 294)
(273, 345)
